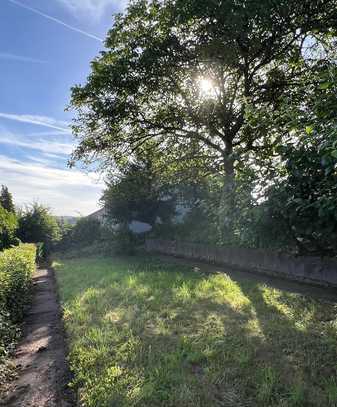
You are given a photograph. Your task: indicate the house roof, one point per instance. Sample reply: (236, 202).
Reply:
(98, 214)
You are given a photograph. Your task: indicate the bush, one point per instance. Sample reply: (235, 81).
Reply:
(86, 231)
(38, 225)
(126, 242)
(8, 225)
(66, 236)
(16, 268)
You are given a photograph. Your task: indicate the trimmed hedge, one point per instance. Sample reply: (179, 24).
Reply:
(17, 266)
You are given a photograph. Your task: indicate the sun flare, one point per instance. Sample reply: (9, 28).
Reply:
(206, 86)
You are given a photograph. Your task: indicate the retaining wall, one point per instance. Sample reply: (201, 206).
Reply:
(314, 270)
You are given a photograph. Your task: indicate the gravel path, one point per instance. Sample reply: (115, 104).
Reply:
(40, 357)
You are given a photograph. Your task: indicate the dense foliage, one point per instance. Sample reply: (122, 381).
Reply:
(38, 225)
(8, 220)
(6, 199)
(16, 269)
(233, 94)
(86, 231)
(138, 193)
(304, 201)
(65, 234)
(146, 85)
(8, 227)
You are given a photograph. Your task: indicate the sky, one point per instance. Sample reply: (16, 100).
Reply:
(46, 48)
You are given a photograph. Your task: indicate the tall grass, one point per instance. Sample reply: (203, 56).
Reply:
(146, 333)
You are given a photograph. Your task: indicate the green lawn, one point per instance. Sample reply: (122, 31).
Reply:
(145, 333)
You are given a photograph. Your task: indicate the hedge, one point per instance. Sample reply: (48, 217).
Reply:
(17, 266)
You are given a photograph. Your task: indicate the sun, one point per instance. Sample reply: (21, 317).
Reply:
(206, 87)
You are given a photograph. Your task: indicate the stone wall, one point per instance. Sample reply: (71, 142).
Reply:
(314, 270)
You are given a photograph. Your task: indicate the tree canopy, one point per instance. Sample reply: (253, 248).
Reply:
(190, 74)
(239, 92)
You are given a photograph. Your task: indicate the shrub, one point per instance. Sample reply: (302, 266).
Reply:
(16, 268)
(126, 242)
(8, 225)
(87, 231)
(66, 236)
(38, 225)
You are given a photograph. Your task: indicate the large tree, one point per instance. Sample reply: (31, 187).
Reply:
(204, 81)
(187, 74)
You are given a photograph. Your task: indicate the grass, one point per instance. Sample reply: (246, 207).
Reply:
(145, 333)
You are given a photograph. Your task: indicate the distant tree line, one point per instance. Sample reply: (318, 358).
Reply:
(33, 224)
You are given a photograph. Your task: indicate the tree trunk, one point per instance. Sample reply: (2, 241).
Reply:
(227, 210)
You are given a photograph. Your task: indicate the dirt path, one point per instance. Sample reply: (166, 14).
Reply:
(40, 357)
(322, 293)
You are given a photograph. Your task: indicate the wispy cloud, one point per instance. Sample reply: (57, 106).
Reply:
(53, 156)
(42, 159)
(67, 192)
(94, 8)
(20, 58)
(56, 20)
(51, 133)
(38, 120)
(46, 146)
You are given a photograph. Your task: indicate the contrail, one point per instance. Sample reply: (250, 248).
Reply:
(55, 20)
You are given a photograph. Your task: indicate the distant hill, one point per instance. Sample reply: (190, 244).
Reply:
(68, 219)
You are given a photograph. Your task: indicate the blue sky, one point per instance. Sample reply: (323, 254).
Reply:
(45, 48)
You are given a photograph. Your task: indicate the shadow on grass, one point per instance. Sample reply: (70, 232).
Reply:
(146, 334)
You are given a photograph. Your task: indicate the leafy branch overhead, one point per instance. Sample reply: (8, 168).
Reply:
(230, 97)
(148, 84)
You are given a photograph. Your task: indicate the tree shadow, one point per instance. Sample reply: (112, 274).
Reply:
(299, 344)
(183, 342)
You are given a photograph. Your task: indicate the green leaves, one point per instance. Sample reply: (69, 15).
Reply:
(6, 199)
(146, 84)
(38, 225)
(8, 226)
(272, 107)
(325, 85)
(140, 193)
(16, 269)
(309, 130)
